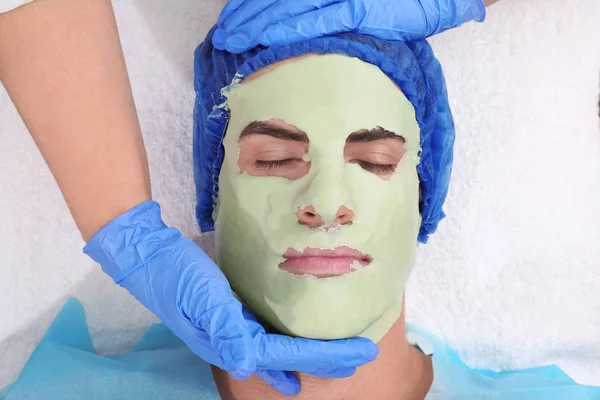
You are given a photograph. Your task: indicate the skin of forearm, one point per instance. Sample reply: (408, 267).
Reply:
(62, 64)
(489, 2)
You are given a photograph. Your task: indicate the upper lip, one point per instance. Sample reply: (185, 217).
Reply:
(338, 252)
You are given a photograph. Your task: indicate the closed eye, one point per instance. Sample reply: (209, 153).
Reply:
(376, 168)
(270, 164)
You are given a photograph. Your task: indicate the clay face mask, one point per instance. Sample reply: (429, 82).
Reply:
(318, 210)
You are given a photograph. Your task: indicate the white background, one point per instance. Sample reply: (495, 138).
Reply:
(511, 279)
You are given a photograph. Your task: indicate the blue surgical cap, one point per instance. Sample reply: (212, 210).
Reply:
(411, 65)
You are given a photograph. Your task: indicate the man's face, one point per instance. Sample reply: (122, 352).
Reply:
(318, 214)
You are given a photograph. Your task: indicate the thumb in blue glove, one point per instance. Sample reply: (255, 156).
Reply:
(283, 354)
(244, 24)
(176, 280)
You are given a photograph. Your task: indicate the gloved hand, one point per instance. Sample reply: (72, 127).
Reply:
(244, 24)
(176, 280)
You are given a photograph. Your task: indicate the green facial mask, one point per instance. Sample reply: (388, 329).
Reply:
(328, 97)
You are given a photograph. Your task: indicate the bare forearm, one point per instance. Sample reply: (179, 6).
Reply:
(489, 2)
(62, 64)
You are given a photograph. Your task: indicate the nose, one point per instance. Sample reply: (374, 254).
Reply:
(308, 216)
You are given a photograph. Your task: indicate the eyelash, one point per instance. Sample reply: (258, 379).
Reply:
(377, 168)
(371, 167)
(274, 163)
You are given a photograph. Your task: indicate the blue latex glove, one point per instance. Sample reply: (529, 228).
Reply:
(176, 280)
(244, 24)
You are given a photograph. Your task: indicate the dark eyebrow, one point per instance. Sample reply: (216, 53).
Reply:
(265, 128)
(370, 135)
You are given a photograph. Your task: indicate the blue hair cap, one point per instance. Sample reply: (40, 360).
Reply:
(411, 65)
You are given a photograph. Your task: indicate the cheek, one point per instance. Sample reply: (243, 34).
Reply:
(265, 201)
(385, 176)
(298, 171)
(384, 203)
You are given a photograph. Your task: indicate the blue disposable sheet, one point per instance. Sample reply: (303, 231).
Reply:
(65, 366)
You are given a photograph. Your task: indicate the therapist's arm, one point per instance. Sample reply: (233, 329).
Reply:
(62, 64)
(489, 2)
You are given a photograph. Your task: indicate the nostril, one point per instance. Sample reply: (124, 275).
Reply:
(308, 216)
(344, 216)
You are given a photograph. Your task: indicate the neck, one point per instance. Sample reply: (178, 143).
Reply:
(400, 372)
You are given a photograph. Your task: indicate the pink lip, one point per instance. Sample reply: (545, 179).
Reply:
(323, 263)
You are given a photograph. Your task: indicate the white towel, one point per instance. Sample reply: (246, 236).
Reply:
(9, 5)
(510, 280)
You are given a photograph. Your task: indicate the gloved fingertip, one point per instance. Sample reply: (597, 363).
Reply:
(341, 373)
(237, 361)
(479, 11)
(287, 388)
(271, 37)
(241, 374)
(238, 43)
(368, 349)
(284, 382)
(371, 352)
(219, 38)
(282, 34)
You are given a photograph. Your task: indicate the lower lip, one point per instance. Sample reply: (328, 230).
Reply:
(321, 267)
